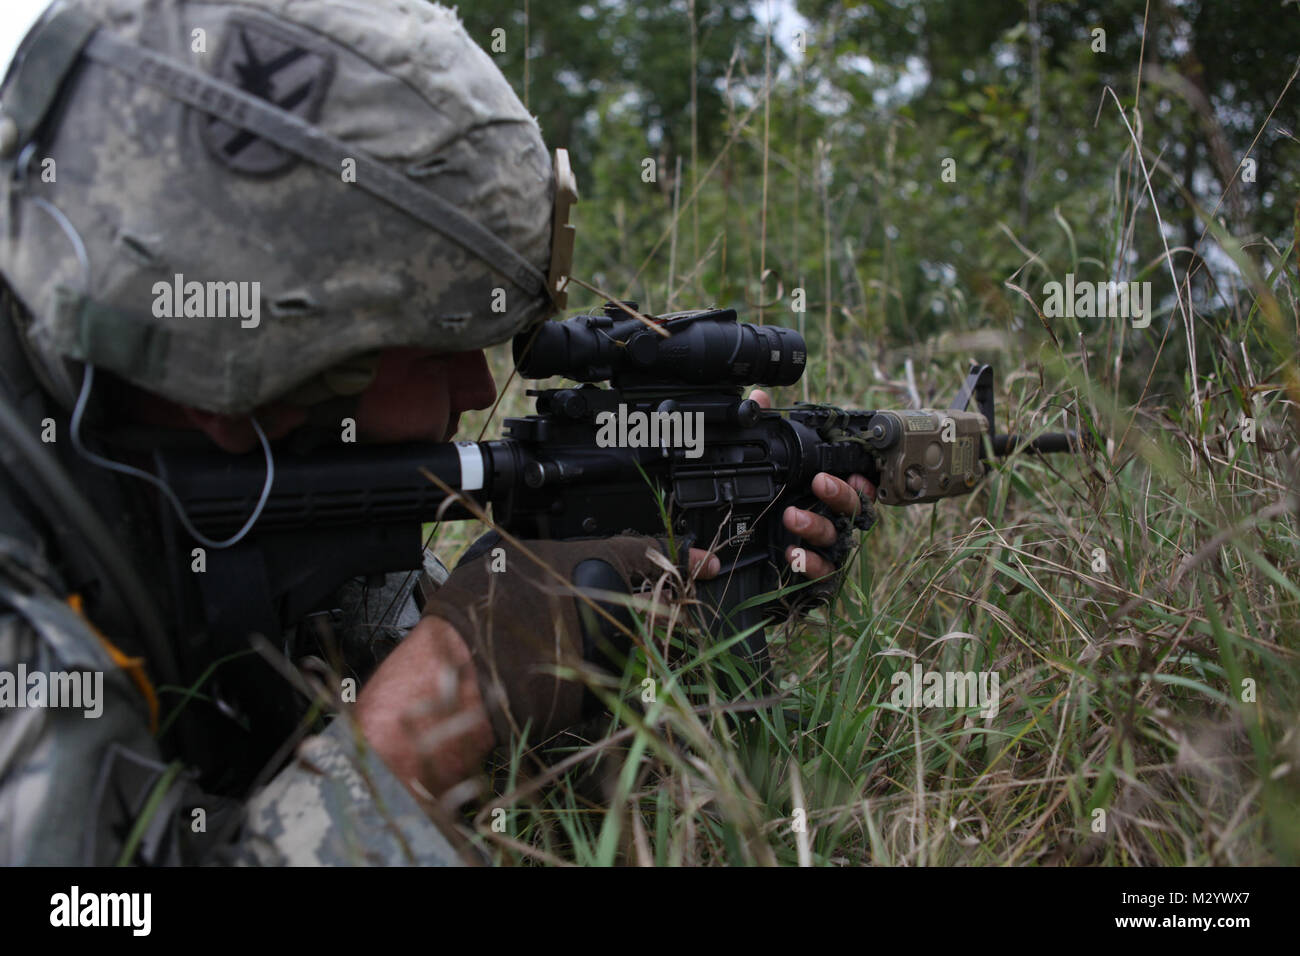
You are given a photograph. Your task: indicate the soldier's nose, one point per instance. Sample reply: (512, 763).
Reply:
(474, 385)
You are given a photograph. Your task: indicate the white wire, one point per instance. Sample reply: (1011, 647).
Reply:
(87, 383)
(117, 466)
(78, 246)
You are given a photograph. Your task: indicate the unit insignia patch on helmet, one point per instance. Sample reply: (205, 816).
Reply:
(282, 67)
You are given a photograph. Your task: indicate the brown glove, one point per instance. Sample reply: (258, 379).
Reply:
(522, 623)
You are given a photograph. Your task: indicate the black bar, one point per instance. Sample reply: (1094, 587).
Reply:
(1050, 443)
(349, 486)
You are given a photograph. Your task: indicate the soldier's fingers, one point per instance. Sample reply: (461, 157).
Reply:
(860, 484)
(807, 562)
(840, 495)
(760, 396)
(704, 566)
(812, 528)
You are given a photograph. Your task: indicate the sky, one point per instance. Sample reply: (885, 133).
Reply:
(19, 15)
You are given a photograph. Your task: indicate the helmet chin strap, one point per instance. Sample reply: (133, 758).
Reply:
(86, 385)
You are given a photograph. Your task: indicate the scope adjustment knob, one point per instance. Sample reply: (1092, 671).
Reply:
(747, 413)
(570, 402)
(643, 348)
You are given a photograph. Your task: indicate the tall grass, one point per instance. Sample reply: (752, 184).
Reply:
(1140, 604)
(1125, 690)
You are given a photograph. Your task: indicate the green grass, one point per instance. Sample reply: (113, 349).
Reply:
(1149, 709)
(1121, 690)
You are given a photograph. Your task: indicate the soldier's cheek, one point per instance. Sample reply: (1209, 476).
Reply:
(419, 412)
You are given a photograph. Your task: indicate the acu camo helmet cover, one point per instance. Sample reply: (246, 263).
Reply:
(366, 164)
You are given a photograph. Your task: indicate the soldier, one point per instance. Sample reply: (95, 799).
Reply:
(243, 222)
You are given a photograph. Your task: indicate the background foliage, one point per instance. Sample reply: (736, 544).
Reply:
(820, 169)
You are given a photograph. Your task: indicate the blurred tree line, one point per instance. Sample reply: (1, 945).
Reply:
(820, 157)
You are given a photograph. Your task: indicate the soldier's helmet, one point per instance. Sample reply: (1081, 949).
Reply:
(220, 201)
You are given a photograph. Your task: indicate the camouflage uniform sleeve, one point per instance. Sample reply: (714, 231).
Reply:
(338, 804)
(86, 784)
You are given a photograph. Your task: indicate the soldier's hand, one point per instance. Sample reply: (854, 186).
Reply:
(841, 497)
(529, 619)
(423, 713)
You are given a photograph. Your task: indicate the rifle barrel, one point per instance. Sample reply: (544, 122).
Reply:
(1052, 442)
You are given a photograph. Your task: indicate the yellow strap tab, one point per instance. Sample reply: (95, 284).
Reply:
(134, 666)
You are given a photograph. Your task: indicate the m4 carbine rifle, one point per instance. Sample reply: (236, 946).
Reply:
(357, 509)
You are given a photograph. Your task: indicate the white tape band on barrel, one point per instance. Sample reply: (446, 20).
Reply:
(471, 466)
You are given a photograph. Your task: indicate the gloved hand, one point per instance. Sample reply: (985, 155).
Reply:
(826, 530)
(522, 622)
